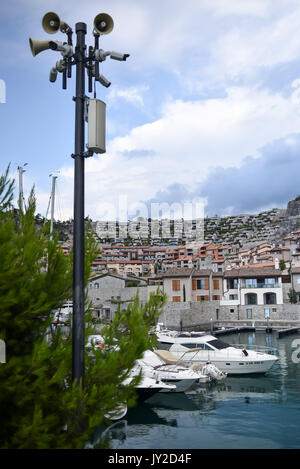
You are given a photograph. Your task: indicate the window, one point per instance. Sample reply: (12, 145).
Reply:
(270, 281)
(274, 310)
(232, 284)
(250, 283)
(249, 313)
(176, 299)
(175, 285)
(267, 313)
(233, 297)
(202, 298)
(232, 310)
(216, 297)
(218, 344)
(96, 285)
(298, 280)
(216, 285)
(270, 298)
(251, 299)
(203, 284)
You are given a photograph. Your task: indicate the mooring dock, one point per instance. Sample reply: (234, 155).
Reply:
(219, 328)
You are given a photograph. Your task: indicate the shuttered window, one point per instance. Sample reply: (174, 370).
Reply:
(216, 285)
(206, 284)
(176, 299)
(194, 284)
(203, 298)
(176, 285)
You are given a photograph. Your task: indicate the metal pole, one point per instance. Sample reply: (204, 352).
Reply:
(78, 337)
(52, 204)
(21, 171)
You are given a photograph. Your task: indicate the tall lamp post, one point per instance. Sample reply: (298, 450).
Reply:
(95, 111)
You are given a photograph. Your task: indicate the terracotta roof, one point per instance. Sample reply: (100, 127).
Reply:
(206, 273)
(186, 272)
(202, 273)
(295, 270)
(254, 270)
(178, 272)
(126, 261)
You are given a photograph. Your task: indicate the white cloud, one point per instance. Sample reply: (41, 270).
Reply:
(184, 143)
(132, 95)
(245, 48)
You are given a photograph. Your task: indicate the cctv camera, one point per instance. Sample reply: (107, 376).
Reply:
(118, 56)
(53, 74)
(65, 49)
(101, 55)
(104, 81)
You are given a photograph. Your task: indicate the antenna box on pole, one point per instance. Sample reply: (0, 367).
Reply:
(96, 125)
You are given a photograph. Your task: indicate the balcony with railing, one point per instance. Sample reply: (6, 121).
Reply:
(260, 285)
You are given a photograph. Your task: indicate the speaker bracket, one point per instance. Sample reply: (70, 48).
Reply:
(84, 154)
(83, 97)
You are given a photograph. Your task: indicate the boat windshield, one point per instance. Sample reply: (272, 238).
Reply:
(218, 344)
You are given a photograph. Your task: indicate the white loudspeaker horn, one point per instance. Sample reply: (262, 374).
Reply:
(37, 46)
(52, 23)
(103, 23)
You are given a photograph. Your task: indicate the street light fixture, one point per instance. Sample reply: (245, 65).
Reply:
(103, 24)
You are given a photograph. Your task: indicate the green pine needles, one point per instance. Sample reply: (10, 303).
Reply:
(40, 407)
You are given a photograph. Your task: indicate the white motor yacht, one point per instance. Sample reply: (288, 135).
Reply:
(183, 377)
(229, 359)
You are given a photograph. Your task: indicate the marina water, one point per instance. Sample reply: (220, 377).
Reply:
(241, 412)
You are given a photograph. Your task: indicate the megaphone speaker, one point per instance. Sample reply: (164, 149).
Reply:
(37, 46)
(103, 23)
(51, 22)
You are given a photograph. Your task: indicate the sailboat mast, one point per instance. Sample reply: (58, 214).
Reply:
(52, 204)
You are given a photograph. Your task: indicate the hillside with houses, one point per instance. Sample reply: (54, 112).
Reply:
(247, 267)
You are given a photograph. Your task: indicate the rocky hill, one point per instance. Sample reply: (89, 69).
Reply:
(244, 230)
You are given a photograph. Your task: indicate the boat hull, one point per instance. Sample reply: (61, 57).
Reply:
(182, 385)
(147, 392)
(238, 368)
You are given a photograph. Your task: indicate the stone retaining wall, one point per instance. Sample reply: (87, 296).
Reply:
(176, 315)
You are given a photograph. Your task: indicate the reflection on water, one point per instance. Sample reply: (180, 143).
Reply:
(257, 411)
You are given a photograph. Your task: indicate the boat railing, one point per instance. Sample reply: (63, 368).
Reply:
(257, 348)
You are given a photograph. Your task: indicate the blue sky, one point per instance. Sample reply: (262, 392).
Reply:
(207, 107)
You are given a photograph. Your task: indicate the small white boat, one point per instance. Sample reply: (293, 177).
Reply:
(148, 386)
(181, 376)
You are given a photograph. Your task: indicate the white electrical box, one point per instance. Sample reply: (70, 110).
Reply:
(96, 125)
